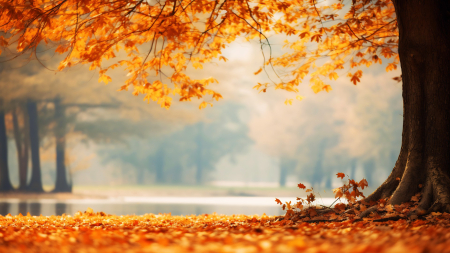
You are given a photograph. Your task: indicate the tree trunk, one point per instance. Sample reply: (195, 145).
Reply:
(60, 208)
(353, 169)
(61, 184)
(140, 176)
(35, 209)
(23, 208)
(5, 208)
(5, 183)
(318, 169)
(22, 146)
(423, 164)
(199, 155)
(160, 156)
(369, 167)
(286, 166)
(178, 172)
(35, 182)
(283, 173)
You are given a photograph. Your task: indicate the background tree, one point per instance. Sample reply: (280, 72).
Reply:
(35, 181)
(181, 156)
(22, 140)
(59, 111)
(194, 32)
(5, 183)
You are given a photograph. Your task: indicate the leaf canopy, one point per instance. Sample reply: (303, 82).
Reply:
(158, 40)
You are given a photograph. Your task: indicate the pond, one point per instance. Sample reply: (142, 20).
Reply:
(142, 205)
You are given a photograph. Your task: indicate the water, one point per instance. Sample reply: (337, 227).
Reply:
(142, 205)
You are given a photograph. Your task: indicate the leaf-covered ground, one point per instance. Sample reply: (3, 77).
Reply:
(98, 232)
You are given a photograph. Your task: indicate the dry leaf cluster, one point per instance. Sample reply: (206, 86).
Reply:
(350, 191)
(98, 232)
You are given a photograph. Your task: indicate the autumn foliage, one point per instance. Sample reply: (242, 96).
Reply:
(350, 192)
(157, 42)
(350, 204)
(99, 232)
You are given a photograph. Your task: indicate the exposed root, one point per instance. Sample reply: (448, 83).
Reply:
(392, 218)
(368, 211)
(436, 193)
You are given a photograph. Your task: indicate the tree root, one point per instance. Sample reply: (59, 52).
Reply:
(368, 211)
(435, 193)
(392, 218)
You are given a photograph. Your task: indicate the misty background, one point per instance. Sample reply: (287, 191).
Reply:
(247, 140)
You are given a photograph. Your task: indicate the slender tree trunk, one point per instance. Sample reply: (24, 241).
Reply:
(61, 184)
(35, 209)
(60, 208)
(36, 181)
(160, 156)
(199, 155)
(140, 176)
(5, 183)
(353, 169)
(23, 208)
(423, 164)
(328, 184)
(283, 173)
(286, 166)
(318, 169)
(4, 208)
(178, 172)
(369, 167)
(22, 149)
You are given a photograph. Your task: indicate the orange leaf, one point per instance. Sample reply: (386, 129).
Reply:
(338, 193)
(304, 34)
(340, 175)
(312, 212)
(355, 80)
(301, 186)
(316, 37)
(278, 201)
(340, 206)
(363, 183)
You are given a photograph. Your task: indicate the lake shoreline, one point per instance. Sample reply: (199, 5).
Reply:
(108, 192)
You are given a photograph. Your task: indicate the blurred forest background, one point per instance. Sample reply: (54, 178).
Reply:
(90, 134)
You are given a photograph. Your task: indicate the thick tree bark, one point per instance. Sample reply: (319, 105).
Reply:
(5, 183)
(22, 145)
(61, 184)
(35, 182)
(423, 164)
